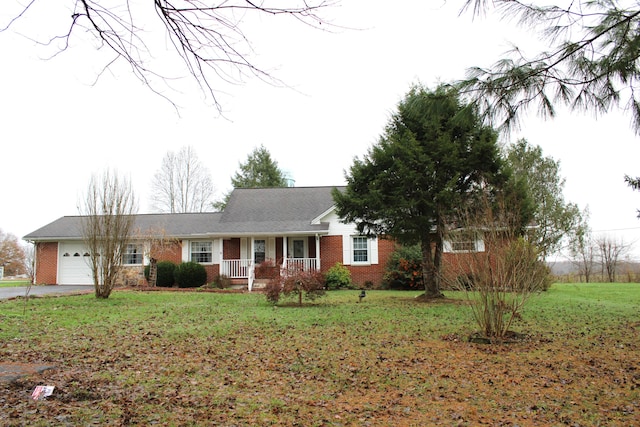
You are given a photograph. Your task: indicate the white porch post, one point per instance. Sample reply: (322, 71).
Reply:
(251, 272)
(284, 251)
(318, 251)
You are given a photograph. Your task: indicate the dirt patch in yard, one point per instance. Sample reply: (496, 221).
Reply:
(11, 371)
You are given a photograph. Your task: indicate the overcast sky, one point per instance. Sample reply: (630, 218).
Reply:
(57, 128)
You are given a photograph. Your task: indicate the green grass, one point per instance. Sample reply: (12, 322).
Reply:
(233, 359)
(13, 283)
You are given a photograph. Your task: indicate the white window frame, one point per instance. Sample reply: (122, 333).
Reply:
(201, 252)
(358, 247)
(135, 251)
(463, 244)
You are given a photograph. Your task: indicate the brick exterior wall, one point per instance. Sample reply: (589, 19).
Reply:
(331, 252)
(46, 263)
(171, 252)
(374, 273)
(213, 270)
(455, 265)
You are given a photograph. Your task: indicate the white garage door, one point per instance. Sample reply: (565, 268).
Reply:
(73, 265)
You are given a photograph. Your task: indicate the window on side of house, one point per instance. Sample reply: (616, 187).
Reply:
(202, 252)
(259, 250)
(463, 242)
(133, 255)
(463, 246)
(360, 248)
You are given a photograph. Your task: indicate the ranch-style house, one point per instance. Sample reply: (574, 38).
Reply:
(288, 226)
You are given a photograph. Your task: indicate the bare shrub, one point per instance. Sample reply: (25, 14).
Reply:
(107, 226)
(500, 279)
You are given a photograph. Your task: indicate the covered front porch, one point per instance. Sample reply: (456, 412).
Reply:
(241, 255)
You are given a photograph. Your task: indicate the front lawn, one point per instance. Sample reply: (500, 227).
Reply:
(232, 359)
(13, 283)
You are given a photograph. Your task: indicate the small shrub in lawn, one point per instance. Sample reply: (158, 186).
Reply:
(221, 281)
(165, 273)
(404, 269)
(296, 283)
(337, 277)
(272, 291)
(190, 275)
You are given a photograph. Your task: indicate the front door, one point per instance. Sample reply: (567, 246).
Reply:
(259, 251)
(298, 248)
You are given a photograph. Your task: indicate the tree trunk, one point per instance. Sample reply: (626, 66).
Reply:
(430, 271)
(102, 291)
(437, 259)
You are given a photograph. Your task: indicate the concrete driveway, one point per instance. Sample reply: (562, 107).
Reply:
(20, 291)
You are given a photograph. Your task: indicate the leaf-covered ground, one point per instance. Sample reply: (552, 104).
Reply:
(233, 360)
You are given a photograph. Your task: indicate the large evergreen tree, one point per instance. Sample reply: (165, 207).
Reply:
(431, 159)
(591, 62)
(259, 171)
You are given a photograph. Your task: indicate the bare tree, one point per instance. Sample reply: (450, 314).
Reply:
(582, 250)
(30, 261)
(183, 184)
(611, 250)
(207, 37)
(12, 256)
(107, 225)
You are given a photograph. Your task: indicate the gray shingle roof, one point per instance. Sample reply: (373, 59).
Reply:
(273, 210)
(249, 211)
(177, 225)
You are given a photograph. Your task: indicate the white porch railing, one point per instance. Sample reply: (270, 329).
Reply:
(245, 268)
(236, 268)
(304, 264)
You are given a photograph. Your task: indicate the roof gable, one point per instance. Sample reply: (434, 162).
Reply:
(280, 209)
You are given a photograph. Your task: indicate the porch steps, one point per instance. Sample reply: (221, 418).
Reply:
(260, 283)
(244, 284)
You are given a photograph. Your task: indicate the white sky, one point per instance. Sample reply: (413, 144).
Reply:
(57, 128)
